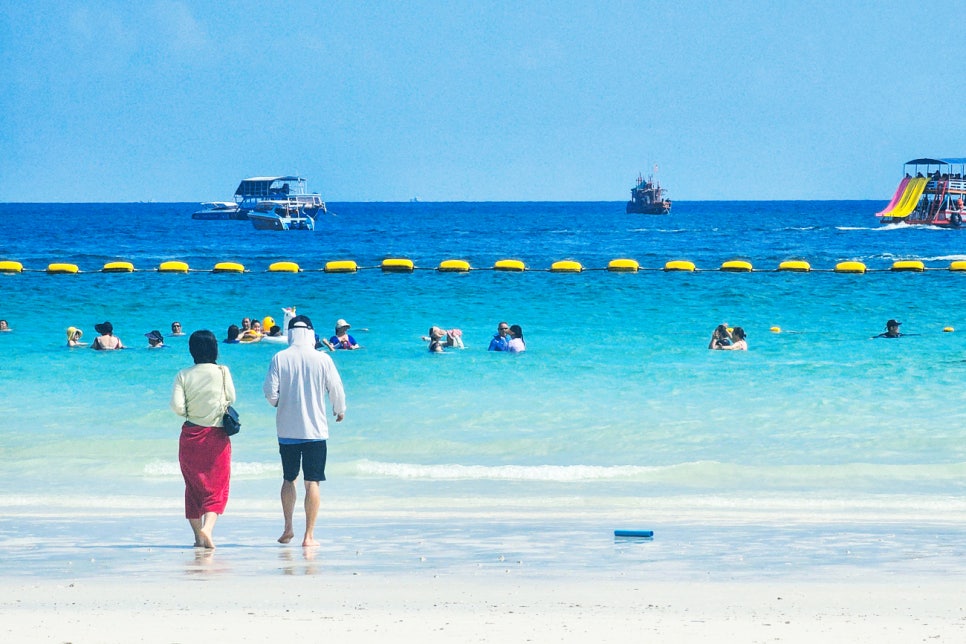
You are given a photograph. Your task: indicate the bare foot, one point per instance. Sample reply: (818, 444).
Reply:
(287, 536)
(206, 541)
(198, 543)
(309, 542)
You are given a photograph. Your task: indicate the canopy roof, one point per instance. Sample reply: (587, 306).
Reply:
(262, 186)
(956, 161)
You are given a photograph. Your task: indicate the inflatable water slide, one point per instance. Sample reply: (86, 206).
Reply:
(906, 198)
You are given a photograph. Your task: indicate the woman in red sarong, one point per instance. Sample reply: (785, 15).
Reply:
(201, 395)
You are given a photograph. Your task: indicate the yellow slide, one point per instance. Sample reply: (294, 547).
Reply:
(909, 200)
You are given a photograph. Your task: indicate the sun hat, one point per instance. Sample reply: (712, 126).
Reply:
(104, 328)
(341, 324)
(892, 323)
(154, 335)
(300, 322)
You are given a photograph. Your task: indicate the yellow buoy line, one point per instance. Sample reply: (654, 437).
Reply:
(404, 265)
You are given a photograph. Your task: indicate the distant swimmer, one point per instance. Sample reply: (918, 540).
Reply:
(232, 336)
(738, 341)
(155, 339)
(73, 337)
(500, 341)
(440, 338)
(342, 339)
(176, 328)
(517, 344)
(720, 337)
(892, 330)
(4, 326)
(106, 341)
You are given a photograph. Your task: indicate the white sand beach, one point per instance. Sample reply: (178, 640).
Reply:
(487, 608)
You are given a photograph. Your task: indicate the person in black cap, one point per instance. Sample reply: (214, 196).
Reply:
(296, 384)
(892, 330)
(106, 340)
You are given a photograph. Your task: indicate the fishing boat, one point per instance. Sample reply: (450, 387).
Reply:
(271, 214)
(647, 198)
(219, 210)
(931, 192)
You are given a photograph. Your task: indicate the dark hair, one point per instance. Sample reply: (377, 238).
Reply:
(739, 333)
(203, 346)
(516, 330)
(233, 332)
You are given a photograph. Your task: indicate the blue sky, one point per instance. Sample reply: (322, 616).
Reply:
(477, 101)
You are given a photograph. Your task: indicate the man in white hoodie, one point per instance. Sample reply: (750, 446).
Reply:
(297, 381)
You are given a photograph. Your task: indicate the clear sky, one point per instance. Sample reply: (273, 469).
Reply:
(475, 101)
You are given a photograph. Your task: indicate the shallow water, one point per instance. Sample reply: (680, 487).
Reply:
(616, 399)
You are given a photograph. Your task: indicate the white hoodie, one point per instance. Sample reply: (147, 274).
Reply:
(296, 383)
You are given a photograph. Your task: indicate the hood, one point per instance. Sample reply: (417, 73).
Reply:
(302, 337)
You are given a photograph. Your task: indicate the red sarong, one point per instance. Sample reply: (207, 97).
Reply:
(205, 457)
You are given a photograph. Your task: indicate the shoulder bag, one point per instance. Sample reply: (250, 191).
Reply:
(230, 421)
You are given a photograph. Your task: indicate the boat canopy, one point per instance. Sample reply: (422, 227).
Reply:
(956, 161)
(262, 186)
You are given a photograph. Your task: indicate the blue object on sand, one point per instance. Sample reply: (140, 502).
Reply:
(644, 534)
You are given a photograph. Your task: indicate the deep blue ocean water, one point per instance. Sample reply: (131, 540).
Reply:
(617, 406)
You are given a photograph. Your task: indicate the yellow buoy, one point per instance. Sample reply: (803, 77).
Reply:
(679, 265)
(341, 266)
(948, 329)
(566, 266)
(509, 265)
(958, 265)
(795, 266)
(453, 266)
(62, 269)
(8, 266)
(850, 267)
(775, 329)
(284, 267)
(228, 267)
(397, 265)
(173, 267)
(908, 265)
(623, 266)
(736, 266)
(118, 267)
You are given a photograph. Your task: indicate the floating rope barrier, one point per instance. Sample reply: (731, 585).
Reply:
(404, 265)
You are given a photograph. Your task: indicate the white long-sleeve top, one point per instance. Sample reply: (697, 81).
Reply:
(201, 394)
(297, 381)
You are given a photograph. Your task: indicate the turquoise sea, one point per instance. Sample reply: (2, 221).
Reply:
(817, 448)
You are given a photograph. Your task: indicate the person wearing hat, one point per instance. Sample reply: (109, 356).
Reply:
(155, 339)
(106, 340)
(298, 379)
(342, 339)
(73, 337)
(892, 330)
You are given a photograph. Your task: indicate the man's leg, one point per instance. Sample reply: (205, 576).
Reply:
(313, 499)
(289, 495)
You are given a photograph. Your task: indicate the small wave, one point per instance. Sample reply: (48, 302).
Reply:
(239, 469)
(561, 473)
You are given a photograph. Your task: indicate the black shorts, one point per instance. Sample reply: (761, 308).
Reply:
(309, 456)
